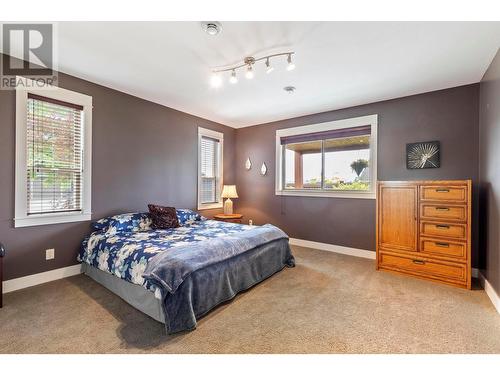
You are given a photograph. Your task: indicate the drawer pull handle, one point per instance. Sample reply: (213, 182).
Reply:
(442, 244)
(442, 190)
(418, 261)
(442, 209)
(441, 226)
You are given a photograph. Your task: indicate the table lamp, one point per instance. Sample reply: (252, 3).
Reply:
(229, 191)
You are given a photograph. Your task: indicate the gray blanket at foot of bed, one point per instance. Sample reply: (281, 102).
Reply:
(208, 287)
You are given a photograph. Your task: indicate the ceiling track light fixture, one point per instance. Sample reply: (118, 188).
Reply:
(248, 63)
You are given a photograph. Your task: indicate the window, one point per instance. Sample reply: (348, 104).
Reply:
(53, 156)
(336, 159)
(209, 168)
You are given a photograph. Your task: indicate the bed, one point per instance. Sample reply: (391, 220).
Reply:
(178, 275)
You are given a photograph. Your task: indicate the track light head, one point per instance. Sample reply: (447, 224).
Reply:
(249, 74)
(269, 68)
(291, 65)
(233, 79)
(216, 80)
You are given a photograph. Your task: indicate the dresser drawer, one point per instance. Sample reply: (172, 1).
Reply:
(424, 267)
(443, 193)
(449, 230)
(437, 246)
(443, 211)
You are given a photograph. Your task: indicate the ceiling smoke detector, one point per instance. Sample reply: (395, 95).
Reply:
(289, 89)
(211, 27)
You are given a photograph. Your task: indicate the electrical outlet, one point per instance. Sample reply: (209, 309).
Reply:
(50, 254)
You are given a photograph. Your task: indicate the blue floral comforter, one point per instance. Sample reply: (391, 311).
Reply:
(126, 254)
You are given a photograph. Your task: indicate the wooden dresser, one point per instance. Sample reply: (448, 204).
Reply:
(424, 230)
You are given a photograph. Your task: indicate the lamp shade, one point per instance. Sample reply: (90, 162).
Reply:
(229, 191)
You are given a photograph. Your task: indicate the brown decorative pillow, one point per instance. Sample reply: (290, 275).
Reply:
(163, 217)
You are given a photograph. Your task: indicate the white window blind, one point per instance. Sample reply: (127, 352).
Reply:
(54, 156)
(209, 149)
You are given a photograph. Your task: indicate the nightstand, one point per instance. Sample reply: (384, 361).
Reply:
(233, 218)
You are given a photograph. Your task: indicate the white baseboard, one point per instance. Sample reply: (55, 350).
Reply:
(334, 248)
(490, 291)
(40, 278)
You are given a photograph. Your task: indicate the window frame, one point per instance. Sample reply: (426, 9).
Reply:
(371, 120)
(203, 132)
(21, 217)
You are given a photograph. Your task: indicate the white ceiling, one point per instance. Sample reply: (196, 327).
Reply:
(339, 64)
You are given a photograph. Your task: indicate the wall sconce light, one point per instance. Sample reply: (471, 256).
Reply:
(263, 169)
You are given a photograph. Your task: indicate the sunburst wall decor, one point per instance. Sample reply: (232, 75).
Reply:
(422, 155)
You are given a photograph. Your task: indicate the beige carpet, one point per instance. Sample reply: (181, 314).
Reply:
(329, 303)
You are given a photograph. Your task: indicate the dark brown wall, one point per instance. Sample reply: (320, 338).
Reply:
(489, 157)
(450, 116)
(142, 152)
